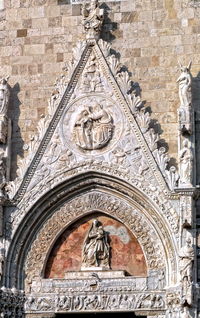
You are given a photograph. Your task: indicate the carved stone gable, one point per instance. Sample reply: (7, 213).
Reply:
(93, 118)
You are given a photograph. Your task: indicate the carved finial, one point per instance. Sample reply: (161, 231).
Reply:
(92, 20)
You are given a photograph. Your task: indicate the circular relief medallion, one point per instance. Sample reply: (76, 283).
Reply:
(91, 124)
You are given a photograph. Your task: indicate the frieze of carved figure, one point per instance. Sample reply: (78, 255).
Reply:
(96, 248)
(185, 110)
(185, 160)
(93, 127)
(92, 19)
(4, 100)
(186, 257)
(90, 302)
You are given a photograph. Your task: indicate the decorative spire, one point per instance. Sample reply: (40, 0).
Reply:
(92, 20)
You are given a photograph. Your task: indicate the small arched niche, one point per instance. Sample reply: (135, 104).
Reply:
(126, 253)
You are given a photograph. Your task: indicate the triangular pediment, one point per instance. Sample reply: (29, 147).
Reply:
(96, 120)
(92, 116)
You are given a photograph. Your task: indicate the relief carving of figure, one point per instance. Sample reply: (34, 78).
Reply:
(93, 128)
(93, 18)
(4, 99)
(185, 110)
(186, 258)
(185, 159)
(96, 248)
(91, 78)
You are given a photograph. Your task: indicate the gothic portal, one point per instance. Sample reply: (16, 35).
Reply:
(99, 218)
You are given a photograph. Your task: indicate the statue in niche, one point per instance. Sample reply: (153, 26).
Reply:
(4, 99)
(96, 248)
(93, 19)
(185, 95)
(93, 128)
(186, 258)
(185, 159)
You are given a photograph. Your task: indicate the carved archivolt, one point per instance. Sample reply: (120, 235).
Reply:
(76, 208)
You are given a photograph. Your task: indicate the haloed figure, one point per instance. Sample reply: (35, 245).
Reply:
(96, 249)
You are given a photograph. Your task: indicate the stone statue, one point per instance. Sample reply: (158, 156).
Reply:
(93, 128)
(186, 258)
(93, 19)
(185, 110)
(96, 249)
(4, 99)
(185, 160)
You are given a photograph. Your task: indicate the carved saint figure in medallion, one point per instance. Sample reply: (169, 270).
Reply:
(93, 128)
(96, 249)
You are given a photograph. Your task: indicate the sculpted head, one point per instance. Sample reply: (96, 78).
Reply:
(95, 222)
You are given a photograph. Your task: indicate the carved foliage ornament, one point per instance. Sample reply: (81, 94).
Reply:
(95, 201)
